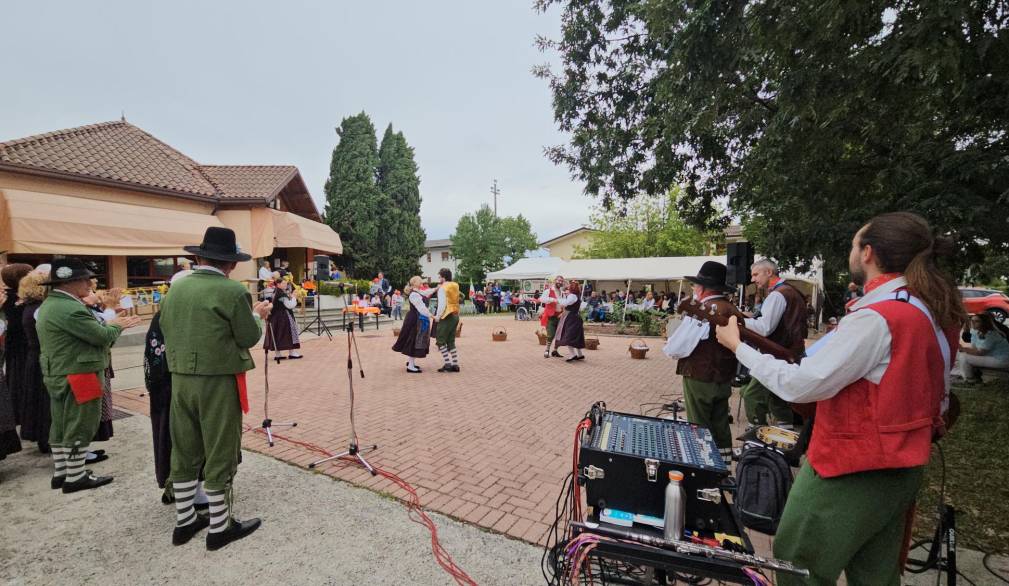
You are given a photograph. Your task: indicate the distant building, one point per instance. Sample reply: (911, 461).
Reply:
(563, 246)
(438, 256)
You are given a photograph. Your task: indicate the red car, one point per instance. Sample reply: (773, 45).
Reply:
(994, 302)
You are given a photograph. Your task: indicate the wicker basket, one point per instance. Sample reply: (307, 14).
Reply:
(591, 343)
(499, 335)
(542, 335)
(638, 349)
(395, 332)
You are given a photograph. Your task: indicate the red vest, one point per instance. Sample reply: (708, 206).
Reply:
(869, 426)
(549, 309)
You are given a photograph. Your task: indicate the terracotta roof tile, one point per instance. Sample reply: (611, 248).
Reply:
(114, 151)
(249, 181)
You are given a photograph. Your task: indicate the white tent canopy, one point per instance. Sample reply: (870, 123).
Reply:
(639, 270)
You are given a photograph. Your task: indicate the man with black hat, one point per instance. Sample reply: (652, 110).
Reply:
(74, 349)
(209, 323)
(707, 367)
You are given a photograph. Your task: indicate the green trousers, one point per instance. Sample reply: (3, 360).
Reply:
(445, 334)
(852, 523)
(72, 424)
(760, 402)
(206, 429)
(708, 406)
(552, 322)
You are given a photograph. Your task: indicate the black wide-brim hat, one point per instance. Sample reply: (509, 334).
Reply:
(219, 244)
(711, 276)
(67, 270)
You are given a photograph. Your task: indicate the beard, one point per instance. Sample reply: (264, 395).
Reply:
(857, 274)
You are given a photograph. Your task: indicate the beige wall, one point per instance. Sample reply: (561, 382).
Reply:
(564, 248)
(241, 222)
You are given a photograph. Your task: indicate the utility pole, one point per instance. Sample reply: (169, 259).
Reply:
(496, 192)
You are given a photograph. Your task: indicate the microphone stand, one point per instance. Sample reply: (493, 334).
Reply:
(353, 449)
(268, 423)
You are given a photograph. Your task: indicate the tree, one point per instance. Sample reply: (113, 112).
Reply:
(354, 204)
(402, 236)
(806, 117)
(648, 226)
(482, 242)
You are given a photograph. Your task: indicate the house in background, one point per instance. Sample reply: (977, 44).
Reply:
(563, 246)
(126, 203)
(438, 256)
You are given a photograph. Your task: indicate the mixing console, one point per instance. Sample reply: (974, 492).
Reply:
(670, 441)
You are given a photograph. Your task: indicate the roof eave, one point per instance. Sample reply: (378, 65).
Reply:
(48, 173)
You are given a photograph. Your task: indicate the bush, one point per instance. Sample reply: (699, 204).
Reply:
(348, 286)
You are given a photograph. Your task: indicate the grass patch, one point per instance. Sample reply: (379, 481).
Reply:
(977, 466)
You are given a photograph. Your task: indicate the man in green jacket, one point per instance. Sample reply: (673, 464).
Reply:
(209, 324)
(74, 355)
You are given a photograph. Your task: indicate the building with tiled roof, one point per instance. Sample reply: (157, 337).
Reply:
(127, 202)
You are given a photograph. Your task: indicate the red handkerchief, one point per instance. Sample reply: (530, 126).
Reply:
(243, 392)
(85, 386)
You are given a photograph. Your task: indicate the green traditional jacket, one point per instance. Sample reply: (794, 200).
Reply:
(208, 325)
(71, 338)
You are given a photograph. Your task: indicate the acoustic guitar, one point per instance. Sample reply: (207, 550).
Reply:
(709, 312)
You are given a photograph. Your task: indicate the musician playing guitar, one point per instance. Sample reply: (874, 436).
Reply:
(707, 368)
(880, 385)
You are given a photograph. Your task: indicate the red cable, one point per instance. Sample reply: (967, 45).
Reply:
(413, 505)
(576, 506)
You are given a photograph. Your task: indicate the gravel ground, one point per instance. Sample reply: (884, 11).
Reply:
(315, 530)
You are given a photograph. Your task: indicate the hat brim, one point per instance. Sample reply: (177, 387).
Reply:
(212, 255)
(71, 279)
(708, 283)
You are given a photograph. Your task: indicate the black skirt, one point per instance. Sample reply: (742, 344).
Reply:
(282, 330)
(413, 341)
(34, 416)
(571, 333)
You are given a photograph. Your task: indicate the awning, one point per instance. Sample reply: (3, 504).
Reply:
(293, 231)
(46, 223)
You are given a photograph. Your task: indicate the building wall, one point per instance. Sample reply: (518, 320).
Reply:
(241, 222)
(564, 248)
(429, 270)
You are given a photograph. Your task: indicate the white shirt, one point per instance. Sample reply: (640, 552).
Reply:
(442, 302)
(648, 303)
(859, 348)
(567, 300)
(209, 268)
(691, 331)
(545, 297)
(417, 300)
(265, 274)
(771, 311)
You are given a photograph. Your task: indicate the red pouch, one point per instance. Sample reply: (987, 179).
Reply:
(85, 386)
(243, 392)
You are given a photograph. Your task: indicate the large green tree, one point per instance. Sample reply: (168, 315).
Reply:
(402, 237)
(483, 242)
(354, 203)
(647, 226)
(806, 117)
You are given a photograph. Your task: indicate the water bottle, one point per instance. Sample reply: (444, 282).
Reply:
(675, 499)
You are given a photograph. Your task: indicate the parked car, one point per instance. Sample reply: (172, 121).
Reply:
(994, 302)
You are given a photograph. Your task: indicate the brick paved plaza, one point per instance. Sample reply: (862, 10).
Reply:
(490, 445)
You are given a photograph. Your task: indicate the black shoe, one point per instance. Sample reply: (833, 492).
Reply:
(298, 357)
(555, 354)
(580, 357)
(454, 368)
(88, 482)
(202, 507)
(445, 368)
(98, 458)
(182, 535)
(235, 531)
(98, 452)
(572, 359)
(414, 371)
(57, 482)
(44, 448)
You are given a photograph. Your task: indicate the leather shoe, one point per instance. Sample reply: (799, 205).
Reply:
(445, 368)
(417, 371)
(88, 482)
(455, 368)
(57, 482)
(98, 458)
(182, 535)
(555, 354)
(235, 531)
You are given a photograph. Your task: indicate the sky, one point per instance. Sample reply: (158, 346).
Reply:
(255, 82)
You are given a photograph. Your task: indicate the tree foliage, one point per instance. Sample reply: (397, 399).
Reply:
(401, 235)
(805, 117)
(483, 242)
(648, 226)
(353, 200)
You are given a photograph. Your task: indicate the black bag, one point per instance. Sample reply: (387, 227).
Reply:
(763, 479)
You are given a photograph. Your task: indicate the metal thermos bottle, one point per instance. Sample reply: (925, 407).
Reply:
(675, 501)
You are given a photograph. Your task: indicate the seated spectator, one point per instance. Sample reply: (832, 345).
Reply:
(988, 348)
(596, 310)
(649, 301)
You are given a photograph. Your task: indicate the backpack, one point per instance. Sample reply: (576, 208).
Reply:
(763, 479)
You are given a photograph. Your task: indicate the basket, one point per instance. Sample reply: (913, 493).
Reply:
(499, 335)
(591, 343)
(395, 332)
(638, 349)
(542, 335)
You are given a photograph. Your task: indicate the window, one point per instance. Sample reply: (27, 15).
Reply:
(444, 256)
(99, 265)
(145, 271)
(429, 257)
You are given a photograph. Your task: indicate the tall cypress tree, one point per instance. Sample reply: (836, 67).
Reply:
(402, 234)
(353, 200)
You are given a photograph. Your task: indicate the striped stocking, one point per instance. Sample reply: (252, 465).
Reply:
(60, 461)
(75, 462)
(218, 510)
(185, 492)
(454, 356)
(444, 354)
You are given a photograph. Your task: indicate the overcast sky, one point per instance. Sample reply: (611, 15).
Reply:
(255, 82)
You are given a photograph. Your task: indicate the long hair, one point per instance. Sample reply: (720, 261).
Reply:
(31, 288)
(414, 283)
(903, 243)
(13, 273)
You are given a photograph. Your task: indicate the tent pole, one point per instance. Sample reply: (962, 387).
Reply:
(623, 318)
